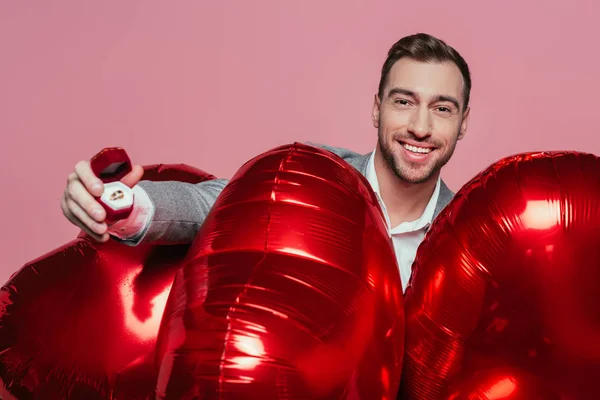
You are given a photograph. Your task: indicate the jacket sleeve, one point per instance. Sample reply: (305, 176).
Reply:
(177, 211)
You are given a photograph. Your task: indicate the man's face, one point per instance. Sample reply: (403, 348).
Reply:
(420, 117)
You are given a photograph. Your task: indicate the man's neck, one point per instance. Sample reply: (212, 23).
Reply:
(404, 201)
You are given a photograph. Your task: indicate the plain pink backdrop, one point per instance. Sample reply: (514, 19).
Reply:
(212, 84)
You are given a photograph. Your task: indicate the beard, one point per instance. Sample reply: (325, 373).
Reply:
(412, 172)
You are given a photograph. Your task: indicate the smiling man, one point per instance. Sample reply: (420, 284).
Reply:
(420, 112)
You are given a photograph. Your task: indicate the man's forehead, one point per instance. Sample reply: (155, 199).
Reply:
(426, 78)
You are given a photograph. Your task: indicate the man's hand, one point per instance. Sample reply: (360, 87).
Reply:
(79, 203)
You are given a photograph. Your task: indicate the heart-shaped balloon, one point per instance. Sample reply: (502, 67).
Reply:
(81, 321)
(503, 302)
(290, 290)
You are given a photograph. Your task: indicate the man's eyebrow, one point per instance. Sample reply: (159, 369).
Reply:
(399, 90)
(441, 97)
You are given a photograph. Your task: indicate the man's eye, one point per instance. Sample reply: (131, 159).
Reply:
(402, 102)
(444, 109)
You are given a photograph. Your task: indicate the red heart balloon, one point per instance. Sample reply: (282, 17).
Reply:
(504, 294)
(290, 290)
(81, 321)
(502, 383)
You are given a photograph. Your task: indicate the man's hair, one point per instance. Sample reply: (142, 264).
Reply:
(425, 48)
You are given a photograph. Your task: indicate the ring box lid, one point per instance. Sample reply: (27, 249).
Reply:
(111, 164)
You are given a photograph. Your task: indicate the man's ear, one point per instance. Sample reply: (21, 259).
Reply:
(465, 123)
(375, 111)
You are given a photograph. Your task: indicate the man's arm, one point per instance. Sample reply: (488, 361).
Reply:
(167, 212)
(172, 212)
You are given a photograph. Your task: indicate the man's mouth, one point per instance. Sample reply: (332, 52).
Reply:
(416, 149)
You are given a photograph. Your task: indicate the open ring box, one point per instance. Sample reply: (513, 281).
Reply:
(111, 165)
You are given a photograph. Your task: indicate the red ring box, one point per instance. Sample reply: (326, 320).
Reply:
(111, 165)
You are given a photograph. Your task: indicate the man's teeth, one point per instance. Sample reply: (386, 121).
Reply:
(416, 149)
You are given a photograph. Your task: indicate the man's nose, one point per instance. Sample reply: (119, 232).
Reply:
(420, 123)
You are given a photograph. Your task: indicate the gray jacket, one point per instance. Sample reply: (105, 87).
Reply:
(180, 208)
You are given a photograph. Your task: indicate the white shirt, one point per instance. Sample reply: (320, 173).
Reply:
(406, 237)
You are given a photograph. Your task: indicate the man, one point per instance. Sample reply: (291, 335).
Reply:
(420, 111)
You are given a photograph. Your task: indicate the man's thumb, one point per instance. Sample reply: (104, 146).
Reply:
(132, 178)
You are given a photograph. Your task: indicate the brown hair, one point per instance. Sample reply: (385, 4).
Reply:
(425, 48)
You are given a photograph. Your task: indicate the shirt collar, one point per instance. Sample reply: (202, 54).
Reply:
(422, 222)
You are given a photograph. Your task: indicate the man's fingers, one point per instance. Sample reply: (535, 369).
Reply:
(79, 194)
(98, 238)
(83, 220)
(71, 217)
(87, 177)
(132, 178)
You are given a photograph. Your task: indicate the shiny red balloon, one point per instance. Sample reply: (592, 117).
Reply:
(291, 289)
(81, 321)
(503, 302)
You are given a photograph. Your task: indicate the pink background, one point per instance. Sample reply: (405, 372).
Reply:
(212, 84)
